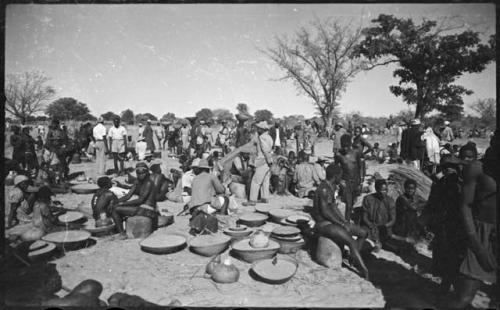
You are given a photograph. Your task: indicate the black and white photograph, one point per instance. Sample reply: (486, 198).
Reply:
(241, 155)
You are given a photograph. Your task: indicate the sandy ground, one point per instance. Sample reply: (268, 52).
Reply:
(121, 266)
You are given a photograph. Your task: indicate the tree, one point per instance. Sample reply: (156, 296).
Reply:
(487, 110)
(68, 109)
(26, 94)
(204, 114)
(293, 120)
(169, 117)
(222, 115)
(319, 62)
(109, 116)
(127, 116)
(141, 118)
(263, 115)
(429, 62)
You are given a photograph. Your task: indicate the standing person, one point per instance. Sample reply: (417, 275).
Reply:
(309, 138)
(99, 134)
(17, 145)
(331, 223)
(338, 132)
(364, 131)
(140, 131)
(140, 148)
(349, 160)
(242, 132)
(223, 138)
(447, 134)
(412, 146)
(379, 214)
(144, 205)
(360, 142)
(263, 161)
(117, 135)
(432, 147)
(148, 135)
(160, 135)
(185, 136)
(299, 137)
(30, 161)
(168, 132)
(278, 135)
(399, 135)
(477, 206)
(57, 139)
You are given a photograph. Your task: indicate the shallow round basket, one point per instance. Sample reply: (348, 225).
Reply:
(244, 251)
(37, 245)
(274, 273)
(297, 217)
(98, 231)
(264, 208)
(287, 247)
(86, 188)
(42, 253)
(67, 239)
(253, 219)
(71, 217)
(165, 219)
(163, 244)
(286, 231)
(238, 233)
(209, 245)
(276, 215)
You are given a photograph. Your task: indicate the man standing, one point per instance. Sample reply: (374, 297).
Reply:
(278, 135)
(242, 133)
(349, 160)
(144, 205)
(101, 147)
(447, 134)
(338, 132)
(148, 135)
(118, 141)
(57, 139)
(478, 205)
(160, 134)
(331, 223)
(140, 131)
(223, 137)
(413, 146)
(263, 162)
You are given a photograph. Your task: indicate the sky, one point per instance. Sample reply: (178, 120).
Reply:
(180, 58)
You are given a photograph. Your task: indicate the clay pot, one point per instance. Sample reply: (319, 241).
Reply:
(259, 240)
(225, 272)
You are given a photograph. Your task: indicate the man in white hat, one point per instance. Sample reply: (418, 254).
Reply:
(447, 134)
(19, 208)
(263, 162)
(99, 133)
(338, 132)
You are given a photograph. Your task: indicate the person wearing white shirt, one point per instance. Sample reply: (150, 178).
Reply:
(100, 146)
(118, 140)
(140, 148)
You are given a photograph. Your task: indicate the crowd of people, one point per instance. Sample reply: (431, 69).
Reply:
(255, 160)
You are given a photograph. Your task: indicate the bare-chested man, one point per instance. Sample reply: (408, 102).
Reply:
(349, 160)
(145, 205)
(331, 223)
(160, 181)
(104, 200)
(478, 209)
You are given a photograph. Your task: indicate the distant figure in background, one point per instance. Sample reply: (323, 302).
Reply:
(99, 134)
(148, 135)
(432, 147)
(338, 132)
(131, 149)
(30, 161)
(160, 135)
(412, 146)
(399, 134)
(117, 135)
(185, 136)
(17, 144)
(140, 131)
(447, 134)
(140, 147)
(168, 132)
(242, 132)
(278, 135)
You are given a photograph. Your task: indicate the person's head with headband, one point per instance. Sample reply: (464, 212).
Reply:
(142, 171)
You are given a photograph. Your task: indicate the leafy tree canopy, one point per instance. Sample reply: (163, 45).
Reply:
(109, 116)
(263, 115)
(141, 118)
(127, 116)
(430, 58)
(204, 114)
(68, 109)
(222, 115)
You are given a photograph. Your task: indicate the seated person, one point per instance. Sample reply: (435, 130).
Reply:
(161, 183)
(104, 199)
(379, 214)
(392, 153)
(319, 166)
(140, 148)
(21, 201)
(305, 177)
(131, 149)
(240, 169)
(205, 187)
(214, 161)
(148, 159)
(279, 176)
(331, 223)
(175, 194)
(144, 205)
(446, 149)
(408, 209)
(187, 180)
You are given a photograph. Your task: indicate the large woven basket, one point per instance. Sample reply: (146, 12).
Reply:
(209, 245)
(163, 244)
(277, 272)
(242, 250)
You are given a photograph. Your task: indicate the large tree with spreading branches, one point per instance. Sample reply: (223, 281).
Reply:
(68, 108)
(27, 94)
(318, 61)
(430, 57)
